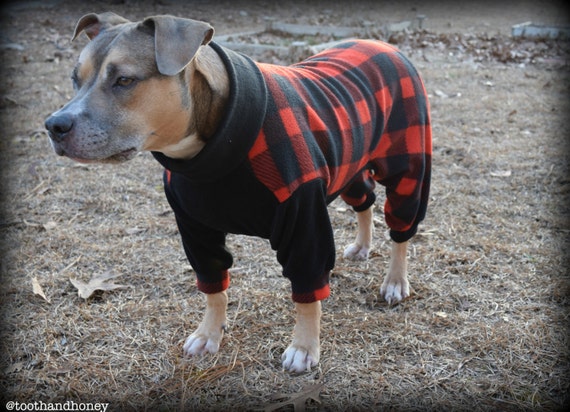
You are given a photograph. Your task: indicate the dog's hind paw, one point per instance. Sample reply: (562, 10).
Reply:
(200, 344)
(354, 251)
(394, 291)
(299, 360)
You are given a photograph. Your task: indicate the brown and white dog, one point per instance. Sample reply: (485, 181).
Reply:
(158, 86)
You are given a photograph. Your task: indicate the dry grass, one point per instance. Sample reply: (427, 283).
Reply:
(485, 329)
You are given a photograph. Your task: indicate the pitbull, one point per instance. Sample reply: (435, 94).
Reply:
(256, 149)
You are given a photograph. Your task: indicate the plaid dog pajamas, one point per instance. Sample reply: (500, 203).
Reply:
(293, 139)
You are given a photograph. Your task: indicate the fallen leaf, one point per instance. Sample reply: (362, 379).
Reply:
(97, 282)
(298, 400)
(38, 290)
(15, 367)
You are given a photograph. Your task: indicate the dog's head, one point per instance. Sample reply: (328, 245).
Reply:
(132, 91)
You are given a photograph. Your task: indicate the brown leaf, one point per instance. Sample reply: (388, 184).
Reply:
(298, 400)
(38, 290)
(15, 367)
(97, 282)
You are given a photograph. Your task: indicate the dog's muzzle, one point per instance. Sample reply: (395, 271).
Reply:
(70, 136)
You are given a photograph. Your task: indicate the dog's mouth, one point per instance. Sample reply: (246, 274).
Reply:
(120, 157)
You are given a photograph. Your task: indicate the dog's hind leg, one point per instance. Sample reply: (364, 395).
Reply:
(304, 351)
(208, 336)
(360, 249)
(396, 286)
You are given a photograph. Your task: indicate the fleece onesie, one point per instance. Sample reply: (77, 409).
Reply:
(293, 139)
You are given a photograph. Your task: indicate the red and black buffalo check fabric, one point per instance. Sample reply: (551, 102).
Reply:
(353, 114)
(294, 138)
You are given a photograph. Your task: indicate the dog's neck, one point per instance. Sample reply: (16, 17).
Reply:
(209, 90)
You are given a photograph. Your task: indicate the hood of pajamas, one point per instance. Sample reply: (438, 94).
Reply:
(294, 138)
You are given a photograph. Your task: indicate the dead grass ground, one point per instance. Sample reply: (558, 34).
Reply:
(485, 329)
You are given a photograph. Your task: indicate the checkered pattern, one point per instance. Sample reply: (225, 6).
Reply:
(352, 115)
(293, 139)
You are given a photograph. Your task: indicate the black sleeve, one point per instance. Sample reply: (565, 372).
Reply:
(205, 249)
(303, 237)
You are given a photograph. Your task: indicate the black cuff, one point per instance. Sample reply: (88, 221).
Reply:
(401, 237)
(370, 199)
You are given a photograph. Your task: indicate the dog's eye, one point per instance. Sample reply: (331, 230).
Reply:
(75, 80)
(124, 81)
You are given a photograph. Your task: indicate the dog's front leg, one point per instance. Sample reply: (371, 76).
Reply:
(208, 336)
(396, 286)
(304, 351)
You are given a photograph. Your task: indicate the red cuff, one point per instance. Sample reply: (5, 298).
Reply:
(319, 294)
(215, 287)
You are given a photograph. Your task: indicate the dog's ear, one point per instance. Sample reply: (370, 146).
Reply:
(176, 41)
(93, 24)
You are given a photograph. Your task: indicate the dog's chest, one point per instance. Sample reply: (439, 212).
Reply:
(237, 203)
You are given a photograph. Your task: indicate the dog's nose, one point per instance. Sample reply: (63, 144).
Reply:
(59, 126)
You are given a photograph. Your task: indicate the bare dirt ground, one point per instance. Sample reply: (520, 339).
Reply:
(485, 329)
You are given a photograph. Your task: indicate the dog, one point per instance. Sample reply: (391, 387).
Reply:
(277, 143)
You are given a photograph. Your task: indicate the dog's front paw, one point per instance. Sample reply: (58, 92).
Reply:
(355, 251)
(394, 289)
(208, 336)
(298, 359)
(200, 343)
